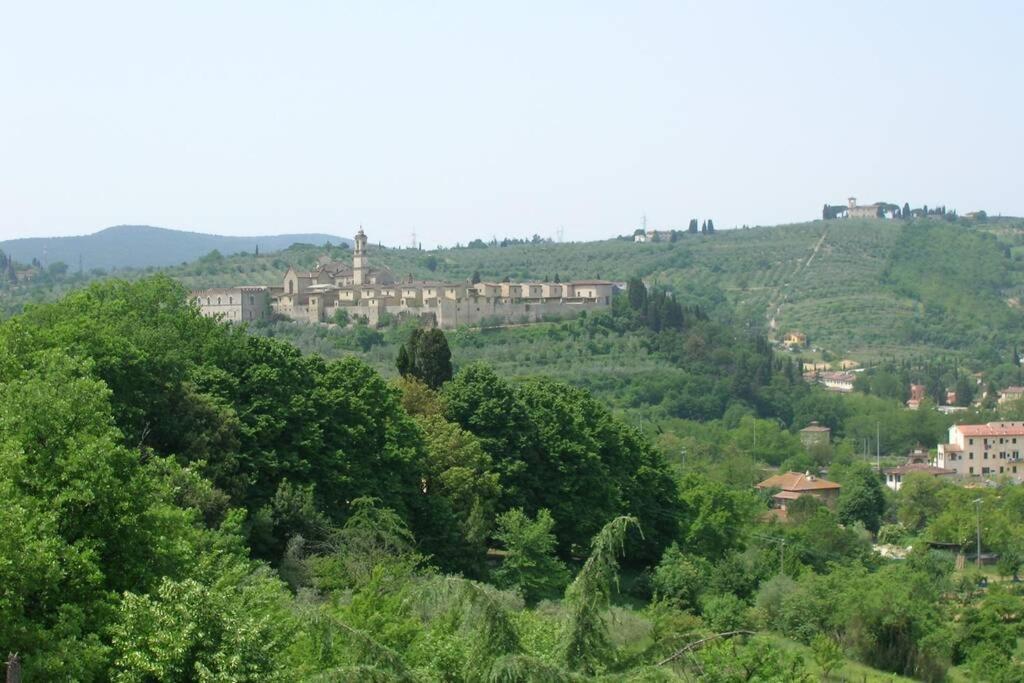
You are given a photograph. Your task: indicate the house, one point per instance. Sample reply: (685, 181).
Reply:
(793, 485)
(815, 434)
(795, 339)
(853, 210)
(838, 381)
(917, 395)
(990, 449)
(1011, 394)
(918, 462)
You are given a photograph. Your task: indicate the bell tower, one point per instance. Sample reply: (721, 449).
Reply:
(360, 273)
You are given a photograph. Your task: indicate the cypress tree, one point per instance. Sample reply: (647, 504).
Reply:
(637, 293)
(433, 359)
(402, 362)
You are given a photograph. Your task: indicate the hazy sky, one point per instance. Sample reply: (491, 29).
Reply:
(460, 120)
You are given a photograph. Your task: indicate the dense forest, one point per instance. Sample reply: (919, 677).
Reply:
(186, 501)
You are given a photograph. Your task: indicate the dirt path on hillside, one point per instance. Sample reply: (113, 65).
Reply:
(781, 296)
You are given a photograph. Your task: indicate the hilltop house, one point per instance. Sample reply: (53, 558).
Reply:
(317, 296)
(793, 485)
(990, 449)
(795, 339)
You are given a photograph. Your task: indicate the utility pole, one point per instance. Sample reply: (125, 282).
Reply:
(977, 508)
(878, 448)
(782, 556)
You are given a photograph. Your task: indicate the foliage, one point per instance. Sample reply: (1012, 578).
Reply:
(529, 563)
(587, 641)
(426, 357)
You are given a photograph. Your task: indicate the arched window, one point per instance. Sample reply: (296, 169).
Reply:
(218, 301)
(231, 300)
(291, 284)
(207, 301)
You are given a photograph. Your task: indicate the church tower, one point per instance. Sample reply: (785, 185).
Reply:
(360, 273)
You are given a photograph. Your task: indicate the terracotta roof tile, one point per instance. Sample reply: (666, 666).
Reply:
(795, 481)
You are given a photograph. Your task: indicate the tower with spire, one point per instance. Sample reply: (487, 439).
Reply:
(360, 272)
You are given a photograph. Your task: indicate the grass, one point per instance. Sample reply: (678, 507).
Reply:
(850, 671)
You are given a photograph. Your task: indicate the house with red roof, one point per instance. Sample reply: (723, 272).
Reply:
(793, 485)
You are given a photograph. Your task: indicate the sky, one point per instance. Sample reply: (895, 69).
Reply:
(475, 119)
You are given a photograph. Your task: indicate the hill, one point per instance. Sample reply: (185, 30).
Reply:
(865, 288)
(141, 246)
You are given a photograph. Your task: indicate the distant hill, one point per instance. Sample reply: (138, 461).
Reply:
(867, 288)
(140, 246)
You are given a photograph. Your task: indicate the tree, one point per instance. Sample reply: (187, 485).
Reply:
(704, 228)
(906, 211)
(587, 645)
(433, 359)
(861, 499)
(918, 501)
(711, 226)
(827, 654)
(187, 631)
(403, 363)
(692, 227)
(637, 292)
(475, 278)
(430, 262)
(530, 563)
(426, 356)
(681, 578)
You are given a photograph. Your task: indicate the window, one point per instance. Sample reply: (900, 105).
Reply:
(207, 301)
(252, 299)
(231, 300)
(218, 301)
(970, 470)
(971, 441)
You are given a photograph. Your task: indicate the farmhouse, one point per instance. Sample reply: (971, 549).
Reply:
(793, 485)
(317, 296)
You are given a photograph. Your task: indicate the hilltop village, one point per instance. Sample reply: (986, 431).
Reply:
(372, 294)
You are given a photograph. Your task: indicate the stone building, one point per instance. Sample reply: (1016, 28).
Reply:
(235, 304)
(814, 435)
(358, 290)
